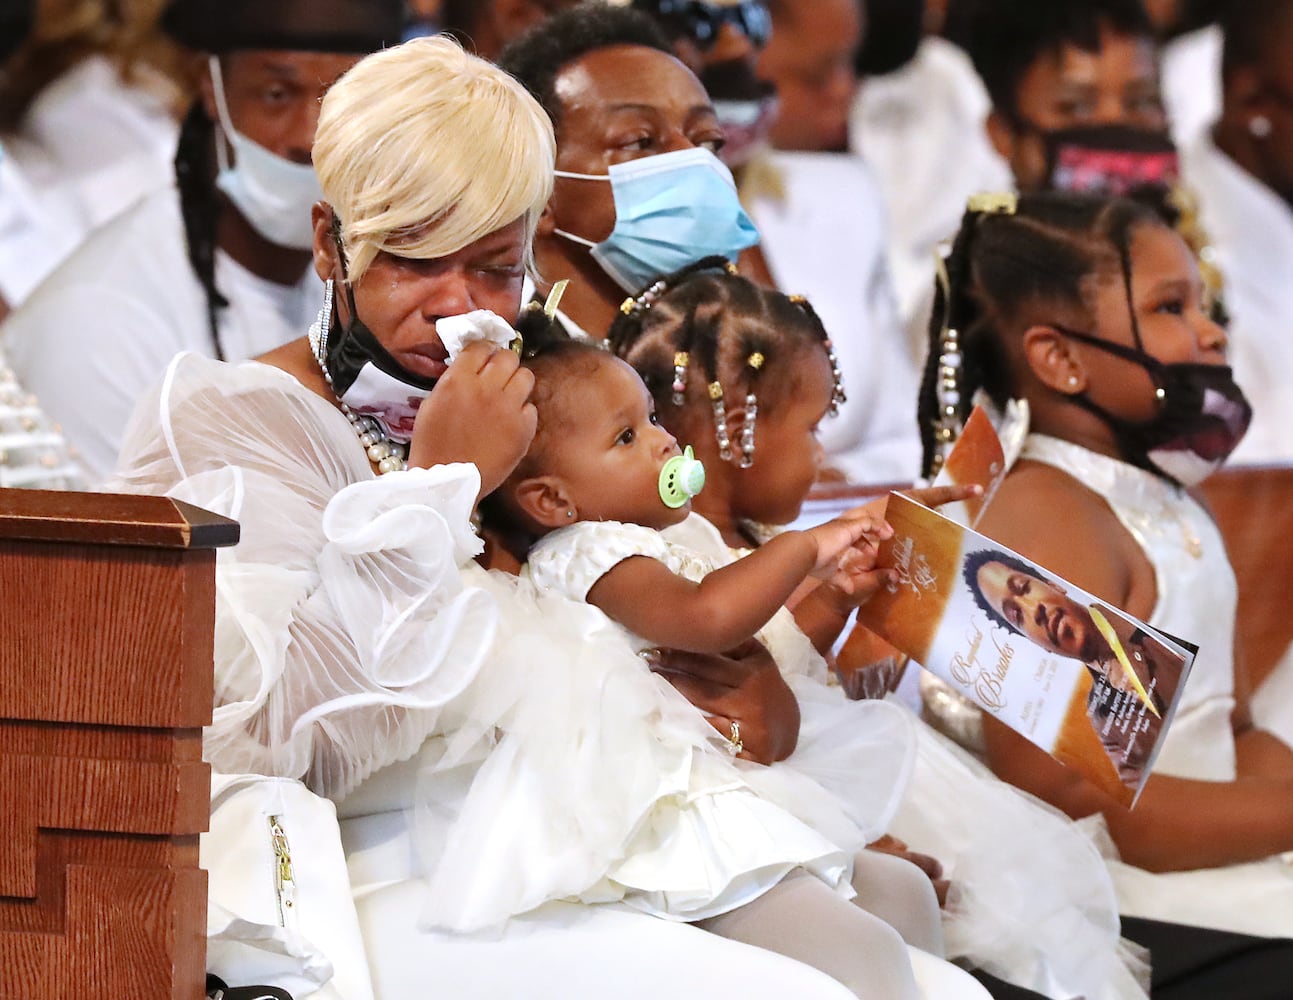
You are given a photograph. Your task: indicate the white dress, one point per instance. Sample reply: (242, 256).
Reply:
(824, 237)
(1251, 230)
(835, 794)
(1191, 81)
(1031, 901)
(33, 453)
(356, 635)
(1196, 601)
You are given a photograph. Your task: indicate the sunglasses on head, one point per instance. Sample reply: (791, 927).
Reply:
(702, 22)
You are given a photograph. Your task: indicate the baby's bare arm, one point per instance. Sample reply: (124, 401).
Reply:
(717, 614)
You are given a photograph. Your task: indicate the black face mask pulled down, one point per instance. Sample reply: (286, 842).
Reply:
(1112, 160)
(1202, 416)
(368, 379)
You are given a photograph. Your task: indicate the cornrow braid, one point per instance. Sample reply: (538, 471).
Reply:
(637, 313)
(200, 209)
(704, 331)
(838, 396)
(1004, 273)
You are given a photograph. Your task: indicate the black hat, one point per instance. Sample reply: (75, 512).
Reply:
(220, 26)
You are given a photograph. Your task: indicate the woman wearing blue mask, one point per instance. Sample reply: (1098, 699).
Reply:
(640, 191)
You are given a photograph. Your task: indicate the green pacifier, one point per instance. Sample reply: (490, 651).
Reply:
(682, 477)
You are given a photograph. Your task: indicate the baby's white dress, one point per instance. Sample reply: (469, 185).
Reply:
(731, 828)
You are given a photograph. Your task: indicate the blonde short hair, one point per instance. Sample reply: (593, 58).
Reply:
(422, 149)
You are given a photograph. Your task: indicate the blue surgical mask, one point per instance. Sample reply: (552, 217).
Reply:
(671, 210)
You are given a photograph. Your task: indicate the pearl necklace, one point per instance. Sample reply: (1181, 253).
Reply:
(386, 454)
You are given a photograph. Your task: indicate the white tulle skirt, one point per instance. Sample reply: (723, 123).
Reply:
(604, 784)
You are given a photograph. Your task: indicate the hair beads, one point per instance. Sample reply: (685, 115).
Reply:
(754, 363)
(708, 325)
(680, 360)
(720, 420)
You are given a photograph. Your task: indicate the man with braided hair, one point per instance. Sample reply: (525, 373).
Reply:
(217, 264)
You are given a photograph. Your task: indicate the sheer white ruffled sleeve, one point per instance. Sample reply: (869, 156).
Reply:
(344, 622)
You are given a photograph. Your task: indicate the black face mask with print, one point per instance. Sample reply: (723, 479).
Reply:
(1202, 415)
(1112, 160)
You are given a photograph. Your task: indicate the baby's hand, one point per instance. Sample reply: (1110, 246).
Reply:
(851, 538)
(856, 579)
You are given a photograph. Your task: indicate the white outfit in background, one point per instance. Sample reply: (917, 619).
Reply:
(356, 634)
(1196, 601)
(1191, 82)
(1251, 230)
(102, 327)
(825, 239)
(35, 232)
(89, 145)
(921, 131)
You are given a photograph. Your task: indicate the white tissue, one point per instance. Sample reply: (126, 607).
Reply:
(456, 332)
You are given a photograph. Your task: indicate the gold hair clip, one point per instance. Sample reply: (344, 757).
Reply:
(628, 305)
(554, 298)
(797, 300)
(993, 203)
(715, 390)
(944, 281)
(681, 359)
(732, 269)
(755, 360)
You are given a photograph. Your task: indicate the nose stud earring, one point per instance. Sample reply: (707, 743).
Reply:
(1259, 127)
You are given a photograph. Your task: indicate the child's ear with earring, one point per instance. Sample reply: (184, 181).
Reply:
(1052, 361)
(546, 501)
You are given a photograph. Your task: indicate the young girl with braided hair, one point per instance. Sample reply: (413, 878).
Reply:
(1087, 320)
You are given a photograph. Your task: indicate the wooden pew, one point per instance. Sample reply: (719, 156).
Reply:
(1253, 506)
(107, 607)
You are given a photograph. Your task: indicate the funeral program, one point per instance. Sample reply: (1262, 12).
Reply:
(1087, 683)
